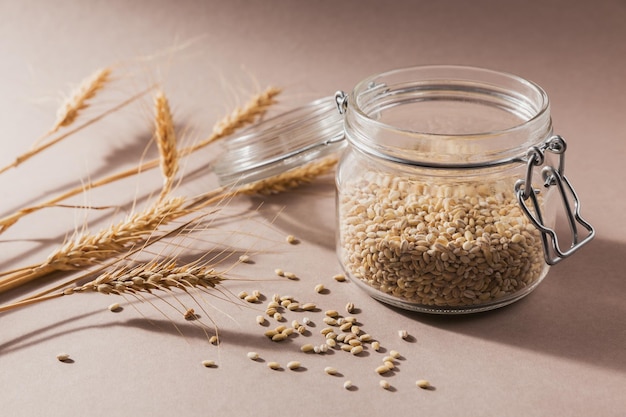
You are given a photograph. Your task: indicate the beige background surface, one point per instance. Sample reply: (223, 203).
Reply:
(560, 351)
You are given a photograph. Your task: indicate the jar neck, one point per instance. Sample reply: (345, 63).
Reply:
(447, 116)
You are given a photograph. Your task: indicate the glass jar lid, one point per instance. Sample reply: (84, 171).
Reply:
(281, 143)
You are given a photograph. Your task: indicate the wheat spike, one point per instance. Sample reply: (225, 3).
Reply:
(153, 276)
(166, 142)
(142, 278)
(78, 101)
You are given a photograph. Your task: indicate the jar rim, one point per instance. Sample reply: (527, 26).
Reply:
(454, 99)
(366, 83)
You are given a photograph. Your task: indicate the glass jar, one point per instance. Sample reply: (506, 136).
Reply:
(448, 184)
(439, 206)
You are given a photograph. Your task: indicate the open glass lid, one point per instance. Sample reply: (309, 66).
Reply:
(281, 143)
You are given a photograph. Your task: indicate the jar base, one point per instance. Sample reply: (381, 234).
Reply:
(443, 310)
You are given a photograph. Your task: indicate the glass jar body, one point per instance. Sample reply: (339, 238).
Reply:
(423, 241)
(427, 208)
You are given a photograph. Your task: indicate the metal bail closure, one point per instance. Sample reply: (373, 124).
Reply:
(552, 177)
(281, 143)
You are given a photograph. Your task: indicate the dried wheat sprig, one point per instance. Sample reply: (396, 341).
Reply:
(78, 101)
(291, 179)
(90, 249)
(241, 117)
(165, 137)
(254, 109)
(142, 278)
(273, 185)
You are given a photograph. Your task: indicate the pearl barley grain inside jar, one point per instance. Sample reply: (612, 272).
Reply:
(430, 216)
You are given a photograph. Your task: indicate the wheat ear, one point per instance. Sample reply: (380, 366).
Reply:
(90, 249)
(67, 114)
(165, 137)
(79, 100)
(240, 117)
(273, 185)
(142, 278)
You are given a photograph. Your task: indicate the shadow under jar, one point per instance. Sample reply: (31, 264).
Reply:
(446, 191)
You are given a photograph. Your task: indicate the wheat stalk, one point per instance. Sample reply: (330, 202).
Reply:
(255, 108)
(166, 142)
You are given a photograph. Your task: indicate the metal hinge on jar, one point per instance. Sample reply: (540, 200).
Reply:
(552, 177)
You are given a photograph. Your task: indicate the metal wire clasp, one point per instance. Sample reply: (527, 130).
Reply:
(552, 177)
(341, 99)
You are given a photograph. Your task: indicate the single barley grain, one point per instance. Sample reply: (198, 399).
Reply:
(423, 384)
(253, 355)
(306, 321)
(293, 307)
(332, 313)
(291, 239)
(339, 277)
(331, 343)
(319, 288)
(389, 364)
(346, 326)
(293, 365)
(347, 384)
(330, 370)
(273, 365)
(279, 272)
(260, 320)
(291, 275)
(242, 295)
(309, 307)
(278, 317)
(394, 354)
(115, 307)
(63, 357)
(330, 321)
(251, 298)
(190, 314)
(403, 334)
(350, 307)
(365, 337)
(376, 345)
(382, 369)
(244, 259)
(384, 384)
(209, 364)
(214, 340)
(356, 350)
(307, 348)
